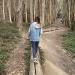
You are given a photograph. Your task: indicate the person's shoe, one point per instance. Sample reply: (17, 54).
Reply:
(35, 60)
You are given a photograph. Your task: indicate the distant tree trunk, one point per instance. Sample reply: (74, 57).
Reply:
(40, 10)
(53, 2)
(19, 15)
(35, 8)
(74, 11)
(14, 10)
(69, 7)
(9, 10)
(4, 10)
(31, 10)
(66, 12)
(43, 12)
(50, 13)
(26, 17)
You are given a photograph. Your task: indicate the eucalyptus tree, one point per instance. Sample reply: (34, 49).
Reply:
(69, 11)
(9, 10)
(43, 12)
(46, 9)
(31, 10)
(35, 8)
(26, 12)
(4, 10)
(19, 14)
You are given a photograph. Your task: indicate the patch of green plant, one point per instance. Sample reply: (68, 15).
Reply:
(2, 69)
(3, 56)
(9, 37)
(69, 41)
(27, 58)
(73, 26)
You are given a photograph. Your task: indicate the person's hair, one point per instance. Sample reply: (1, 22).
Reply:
(37, 19)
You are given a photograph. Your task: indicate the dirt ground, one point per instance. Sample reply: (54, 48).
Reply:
(58, 62)
(15, 65)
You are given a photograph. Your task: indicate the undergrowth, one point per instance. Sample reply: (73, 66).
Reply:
(9, 38)
(69, 41)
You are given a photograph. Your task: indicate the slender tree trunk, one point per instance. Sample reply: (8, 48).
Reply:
(43, 12)
(14, 7)
(35, 8)
(40, 10)
(4, 10)
(26, 17)
(31, 10)
(74, 11)
(9, 11)
(50, 13)
(19, 15)
(69, 6)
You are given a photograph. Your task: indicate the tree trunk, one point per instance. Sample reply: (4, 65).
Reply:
(35, 8)
(19, 15)
(9, 10)
(50, 13)
(31, 10)
(14, 10)
(43, 12)
(26, 17)
(69, 7)
(4, 10)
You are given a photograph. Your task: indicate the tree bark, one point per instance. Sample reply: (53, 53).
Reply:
(35, 8)
(26, 16)
(19, 15)
(43, 12)
(31, 10)
(14, 10)
(4, 10)
(69, 7)
(50, 13)
(9, 10)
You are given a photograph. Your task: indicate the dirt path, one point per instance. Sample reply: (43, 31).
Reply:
(57, 60)
(15, 65)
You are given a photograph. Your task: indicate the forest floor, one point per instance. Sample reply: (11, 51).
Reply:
(16, 63)
(57, 60)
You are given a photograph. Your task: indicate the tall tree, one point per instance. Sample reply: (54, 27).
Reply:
(9, 10)
(19, 15)
(35, 8)
(31, 10)
(69, 8)
(14, 10)
(4, 10)
(26, 16)
(43, 12)
(50, 13)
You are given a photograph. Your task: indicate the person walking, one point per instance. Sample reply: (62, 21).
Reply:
(34, 34)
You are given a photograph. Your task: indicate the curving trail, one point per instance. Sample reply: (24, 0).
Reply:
(15, 65)
(57, 60)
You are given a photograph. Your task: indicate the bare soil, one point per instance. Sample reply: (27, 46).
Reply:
(58, 61)
(15, 64)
